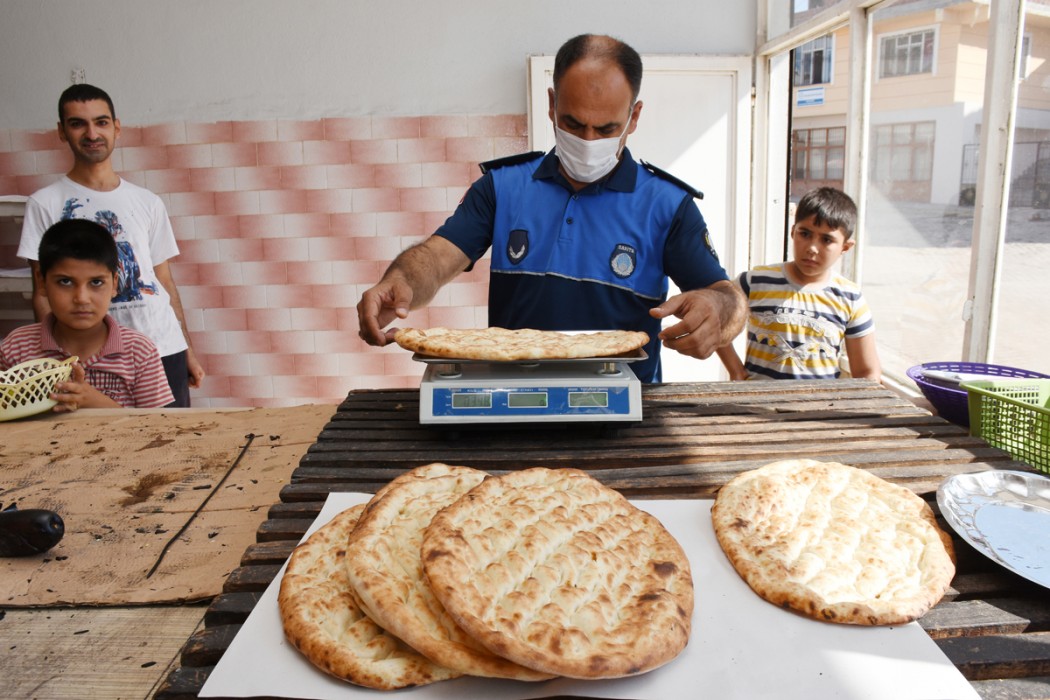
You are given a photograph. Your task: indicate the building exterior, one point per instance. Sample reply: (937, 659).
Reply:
(926, 105)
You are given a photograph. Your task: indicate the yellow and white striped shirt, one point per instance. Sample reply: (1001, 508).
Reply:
(799, 332)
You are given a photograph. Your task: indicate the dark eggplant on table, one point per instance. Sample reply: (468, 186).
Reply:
(30, 531)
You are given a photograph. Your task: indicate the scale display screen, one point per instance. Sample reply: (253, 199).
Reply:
(579, 399)
(527, 399)
(472, 399)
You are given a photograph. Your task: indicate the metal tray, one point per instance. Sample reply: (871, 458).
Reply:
(1005, 515)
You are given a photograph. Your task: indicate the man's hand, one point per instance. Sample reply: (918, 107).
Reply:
(77, 393)
(196, 369)
(710, 318)
(390, 299)
(410, 282)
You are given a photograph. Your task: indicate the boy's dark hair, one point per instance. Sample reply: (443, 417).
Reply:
(79, 239)
(604, 47)
(82, 92)
(831, 207)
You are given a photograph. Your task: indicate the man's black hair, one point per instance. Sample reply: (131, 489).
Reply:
(600, 47)
(82, 92)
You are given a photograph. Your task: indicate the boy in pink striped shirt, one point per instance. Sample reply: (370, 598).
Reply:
(118, 367)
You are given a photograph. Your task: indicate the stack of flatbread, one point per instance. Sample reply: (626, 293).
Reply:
(502, 345)
(448, 571)
(834, 542)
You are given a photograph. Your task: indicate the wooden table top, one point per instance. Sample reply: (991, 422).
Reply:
(993, 625)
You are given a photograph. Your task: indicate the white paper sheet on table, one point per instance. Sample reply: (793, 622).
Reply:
(741, 647)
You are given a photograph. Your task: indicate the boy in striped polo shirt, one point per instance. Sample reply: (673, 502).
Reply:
(803, 316)
(119, 367)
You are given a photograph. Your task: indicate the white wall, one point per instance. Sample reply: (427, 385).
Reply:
(212, 60)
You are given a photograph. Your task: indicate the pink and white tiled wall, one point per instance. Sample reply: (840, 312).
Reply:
(283, 224)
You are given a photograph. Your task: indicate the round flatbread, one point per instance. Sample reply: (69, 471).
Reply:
(834, 542)
(557, 572)
(322, 621)
(384, 568)
(502, 345)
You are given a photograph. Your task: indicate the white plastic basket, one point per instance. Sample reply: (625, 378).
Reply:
(25, 389)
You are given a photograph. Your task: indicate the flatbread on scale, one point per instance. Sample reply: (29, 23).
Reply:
(501, 345)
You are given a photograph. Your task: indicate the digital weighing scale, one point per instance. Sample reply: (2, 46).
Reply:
(455, 391)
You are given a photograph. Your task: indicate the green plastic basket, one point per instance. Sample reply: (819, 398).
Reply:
(1013, 415)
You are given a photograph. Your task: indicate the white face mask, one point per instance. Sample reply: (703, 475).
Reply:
(587, 161)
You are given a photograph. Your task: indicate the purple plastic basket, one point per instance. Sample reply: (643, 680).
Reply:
(951, 402)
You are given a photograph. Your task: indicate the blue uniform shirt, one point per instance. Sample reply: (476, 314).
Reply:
(597, 259)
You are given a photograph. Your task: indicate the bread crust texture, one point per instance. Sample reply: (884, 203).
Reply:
(834, 542)
(384, 568)
(552, 569)
(321, 619)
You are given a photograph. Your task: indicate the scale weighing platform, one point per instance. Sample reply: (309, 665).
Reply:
(455, 391)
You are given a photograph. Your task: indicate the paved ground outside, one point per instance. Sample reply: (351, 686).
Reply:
(916, 272)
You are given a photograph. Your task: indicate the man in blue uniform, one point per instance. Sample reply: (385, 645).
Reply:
(584, 238)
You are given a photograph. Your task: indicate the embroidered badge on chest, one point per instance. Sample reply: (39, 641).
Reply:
(623, 260)
(518, 245)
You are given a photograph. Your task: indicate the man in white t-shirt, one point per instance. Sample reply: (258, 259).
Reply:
(147, 298)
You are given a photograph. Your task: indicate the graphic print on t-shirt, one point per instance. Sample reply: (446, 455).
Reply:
(130, 285)
(819, 341)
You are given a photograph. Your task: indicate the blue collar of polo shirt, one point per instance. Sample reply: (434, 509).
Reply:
(622, 179)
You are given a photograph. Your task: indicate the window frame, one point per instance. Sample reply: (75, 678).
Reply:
(830, 151)
(923, 31)
(911, 147)
(827, 61)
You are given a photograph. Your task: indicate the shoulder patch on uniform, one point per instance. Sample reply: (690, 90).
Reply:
(664, 175)
(490, 165)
